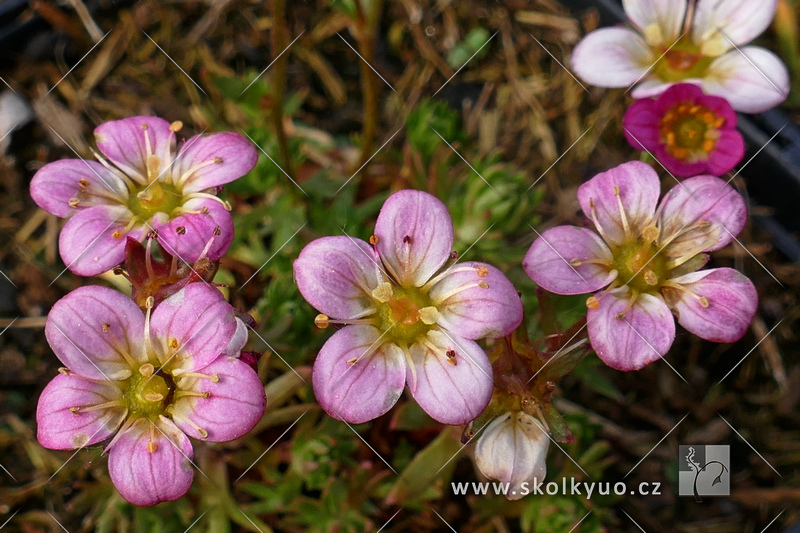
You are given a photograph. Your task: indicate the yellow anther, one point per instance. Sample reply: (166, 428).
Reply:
(483, 285)
(321, 321)
(429, 315)
(106, 326)
(218, 160)
(173, 343)
(147, 370)
(353, 361)
(704, 301)
(482, 271)
(373, 240)
(152, 446)
(592, 302)
(383, 292)
(176, 126)
(73, 202)
(116, 235)
(650, 234)
(650, 277)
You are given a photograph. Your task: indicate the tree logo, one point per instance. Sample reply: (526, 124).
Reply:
(704, 471)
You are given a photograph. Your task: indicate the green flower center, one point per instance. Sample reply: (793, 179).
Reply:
(158, 197)
(405, 314)
(682, 61)
(690, 131)
(640, 266)
(149, 392)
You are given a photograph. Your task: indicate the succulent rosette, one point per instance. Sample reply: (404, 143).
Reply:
(704, 45)
(146, 382)
(144, 183)
(408, 316)
(644, 259)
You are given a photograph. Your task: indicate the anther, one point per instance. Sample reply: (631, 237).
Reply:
(73, 202)
(217, 231)
(429, 315)
(83, 183)
(353, 361)
(176, 126)
(482, 271)
(153, 397)
(373, 240)
(144, 126)
(451, 357)
(592, 302)
(650, 234)
(150, 302)
(173, 343)
(650, 277)
(616, 190)
(407, 239)
(383, 292)
(204, 210)
(483, 285)
(147, 370)
(704, 301)
(180, 230)
(116, 235)
(64, 371)
(106, 326)
(321, 321)
(218, 160)
(152, 446)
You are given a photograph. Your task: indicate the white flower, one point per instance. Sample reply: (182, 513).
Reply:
(671, 43)
(513, 450)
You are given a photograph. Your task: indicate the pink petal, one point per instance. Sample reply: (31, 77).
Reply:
(612, 57)
(148, 472)
(752, 79)
(666, 15)
(357, 379)
(93, 240)
(91, 328)
(548, 262)
(642, 125)
(123, 143)
(630, 342)
(197, 230)
(476, 312)
(238, 341)
(728, 152)
(451, 393)
(732, 304)
(236, 154)
(235, 403)
(336, 275)
(415, 236)
(638, 187)
(199, 321)
(62, 429)
(731, 22)
(55, 184)
(705, 212)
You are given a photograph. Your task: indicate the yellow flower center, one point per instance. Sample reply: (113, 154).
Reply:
(639, 264)
(157, 197)
(406, 315)
(148, 392)
(690, 132)
(683, 61)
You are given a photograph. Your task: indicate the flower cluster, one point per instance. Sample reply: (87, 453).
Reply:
(145, 374)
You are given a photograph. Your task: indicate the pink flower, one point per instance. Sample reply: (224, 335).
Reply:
(671, 43)
(150, 381)
(411, 317)
(648, 257)
(688, 132)
(145, 187)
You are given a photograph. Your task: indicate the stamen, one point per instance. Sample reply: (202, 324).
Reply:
(147, 370)
(482, 271)
(186, 175)
(352, 361)
(482, 284)
(632, 300)
(593, 216)
(83, 184)
(453, 270)
(73, 202)
(148, 262)
(213, 377)
(202, 432)
(153, 166)
(383, 292)
(650, 277)
(650, 234)
(451, 357)
(592, 302)
(624, 217)
(429, 315)
(702, 300)
(116, 235)
(176, 126)
(189, 393)
(148, 303)
(152, 445)
(407, 239)
(208, 196)
(321, 321)
(97, 407)
(64, 371)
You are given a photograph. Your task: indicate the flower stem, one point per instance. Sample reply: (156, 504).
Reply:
(366, 31)
(279, 43)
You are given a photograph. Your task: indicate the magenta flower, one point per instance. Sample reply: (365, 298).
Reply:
(648, 257)
(150, 381)
(410, 317)
(689, 132)
(145, 187)
(700, 42)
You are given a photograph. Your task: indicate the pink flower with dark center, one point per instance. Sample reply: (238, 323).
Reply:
(411, 318)
(143, 186)
(700, 42)
(147, 381)
(647, 255)
(689, 132)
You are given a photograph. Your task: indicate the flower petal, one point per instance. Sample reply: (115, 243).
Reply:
(191, 328)
(55, 184)
(719, 25)
(631, 187)
(698, 215)
(631, 341)
(513, 449)
(415, 236)
(196, 166)
(678, 167)
(239, 339)
(549, 261)
(355, 378)
(187, 235)
(727, 153)
(124, 142)
(452, 390)
(642, 125)
(659, 20)
(62, 429)
(654, 87)
(90, 328)
(476, 301)
(150, 462)
(235, 403)
(752, 79)
(732, 302)
(93, 240)
(336, 275)
(612, 57)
